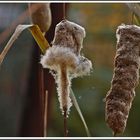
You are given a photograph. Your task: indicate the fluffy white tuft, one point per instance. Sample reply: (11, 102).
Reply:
(84, 67)
(56, 55)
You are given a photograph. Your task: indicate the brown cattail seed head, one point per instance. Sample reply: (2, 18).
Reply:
(125, 79)
(42, 16)
(69, 34)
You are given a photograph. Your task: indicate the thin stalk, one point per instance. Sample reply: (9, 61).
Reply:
(65, 123)
(132, 18)
(136, 19)
(64, 11)
(114, 134)
(79, 111)
(45, 114)
(41, 95)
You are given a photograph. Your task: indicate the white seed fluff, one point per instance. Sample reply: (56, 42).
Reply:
(84, 67)
(56, 56)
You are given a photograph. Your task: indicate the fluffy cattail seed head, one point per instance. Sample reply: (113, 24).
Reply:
(64, 58)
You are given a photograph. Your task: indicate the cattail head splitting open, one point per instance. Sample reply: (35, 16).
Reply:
(64, 58)
(125, 79)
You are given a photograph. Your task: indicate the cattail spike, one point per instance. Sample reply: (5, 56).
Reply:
(125, 78)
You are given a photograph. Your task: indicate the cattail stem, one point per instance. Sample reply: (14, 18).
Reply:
(114, 134)
(64, 11)
(132, 18)
(64, 86)
(65, 123)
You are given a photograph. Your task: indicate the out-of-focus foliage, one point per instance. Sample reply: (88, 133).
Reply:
(135, 8)
(13, 73)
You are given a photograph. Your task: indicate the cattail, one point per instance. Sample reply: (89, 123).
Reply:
(125, 79)
(42, 16)
(64, 58)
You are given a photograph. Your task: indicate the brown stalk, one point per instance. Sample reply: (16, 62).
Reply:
(42, 17)
(64, 11)
(65, 123)
(45, 114)
(42, 95)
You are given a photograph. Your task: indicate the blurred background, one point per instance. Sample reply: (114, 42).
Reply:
(19, 99)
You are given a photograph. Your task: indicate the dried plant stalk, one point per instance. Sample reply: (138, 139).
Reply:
(42, 17)
(125, 79)
(45, 113)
